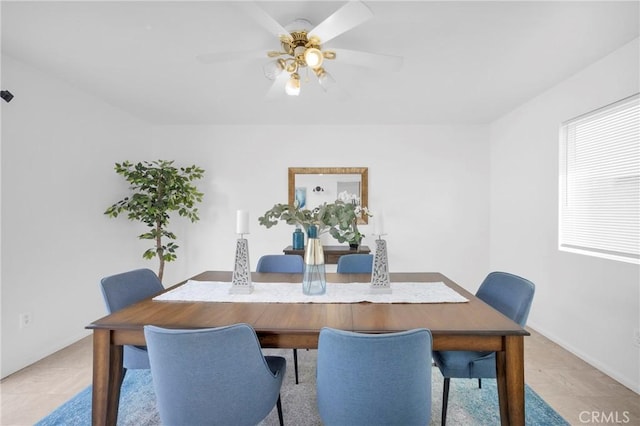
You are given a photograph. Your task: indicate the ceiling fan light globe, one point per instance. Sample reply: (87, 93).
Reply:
(313, 57)
(298, 51)
(272, 69)
(325, 79)
(292, 88)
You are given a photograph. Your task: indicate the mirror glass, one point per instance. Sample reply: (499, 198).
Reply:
(312, 186)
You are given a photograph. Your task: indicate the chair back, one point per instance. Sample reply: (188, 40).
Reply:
(283, 263)
(211, 376)
(355, 264)
(510, 294)
(374, 378)
(122, 290)
(127, 288)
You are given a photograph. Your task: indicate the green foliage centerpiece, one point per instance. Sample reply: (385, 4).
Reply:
(158, 188)
(339, 219)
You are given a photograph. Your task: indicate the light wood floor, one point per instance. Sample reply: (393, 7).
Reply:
(577, 391)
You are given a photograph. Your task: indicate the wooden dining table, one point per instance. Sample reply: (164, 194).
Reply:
(471, 325)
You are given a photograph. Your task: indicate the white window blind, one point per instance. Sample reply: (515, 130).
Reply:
(600, 182)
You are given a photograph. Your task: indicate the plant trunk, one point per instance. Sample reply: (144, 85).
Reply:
(159, 250)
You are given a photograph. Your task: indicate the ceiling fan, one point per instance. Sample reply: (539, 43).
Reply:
(302, 48)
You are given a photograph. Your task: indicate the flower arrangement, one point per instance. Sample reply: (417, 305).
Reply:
(340, 219)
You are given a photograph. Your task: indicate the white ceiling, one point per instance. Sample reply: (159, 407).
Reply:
(464, 62)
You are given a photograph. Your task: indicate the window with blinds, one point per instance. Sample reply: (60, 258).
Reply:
(600, 182)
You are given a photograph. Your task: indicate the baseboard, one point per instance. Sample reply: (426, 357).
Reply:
(635, 387)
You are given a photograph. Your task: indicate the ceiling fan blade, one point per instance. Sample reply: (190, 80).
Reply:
(264, 19)
(370, 60)
(347, 17)
(277, 88)
(213, 58)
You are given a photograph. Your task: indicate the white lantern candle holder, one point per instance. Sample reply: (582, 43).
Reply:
(241, 280)
(380, 273)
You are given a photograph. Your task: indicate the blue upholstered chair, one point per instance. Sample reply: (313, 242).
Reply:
(122, 290)
(283, 263)
(213, 376)
(374, 379)
(507, 293)
(355, 264)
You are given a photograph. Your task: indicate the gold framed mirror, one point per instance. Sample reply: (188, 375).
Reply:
(312, 186)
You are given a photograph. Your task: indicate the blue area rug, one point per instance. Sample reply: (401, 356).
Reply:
(468, 405)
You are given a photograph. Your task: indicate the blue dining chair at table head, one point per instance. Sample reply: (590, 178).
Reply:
(283, 263)
(355, 264)
(213, 376)
(122, 290)
(374, 379)
(507, 293)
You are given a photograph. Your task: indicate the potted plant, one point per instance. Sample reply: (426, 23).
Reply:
(347, 212)
(158, 188)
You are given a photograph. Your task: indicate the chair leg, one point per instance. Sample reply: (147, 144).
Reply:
(480, 383)
(279, 406)
(445, 400)
(295, 363)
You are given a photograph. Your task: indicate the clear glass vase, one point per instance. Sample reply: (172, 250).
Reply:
(314, 280)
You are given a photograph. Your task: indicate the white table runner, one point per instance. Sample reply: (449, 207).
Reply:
(402, 292)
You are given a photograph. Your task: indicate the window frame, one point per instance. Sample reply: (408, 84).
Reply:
(589, 223)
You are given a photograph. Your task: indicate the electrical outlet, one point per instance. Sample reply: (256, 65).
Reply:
(25, 319)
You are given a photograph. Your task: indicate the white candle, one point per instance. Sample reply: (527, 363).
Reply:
(378, 224)
(242, 222)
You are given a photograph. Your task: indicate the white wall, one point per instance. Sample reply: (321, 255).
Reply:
(588, 305)
(431, 182)
(58, 150)
(59, 146)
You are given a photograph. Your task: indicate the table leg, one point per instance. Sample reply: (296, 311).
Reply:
(107, 378)
(510, 380)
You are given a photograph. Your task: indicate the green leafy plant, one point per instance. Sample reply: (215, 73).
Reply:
(348, 215)
(340, 219)
(291, 215)
(158, 188)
